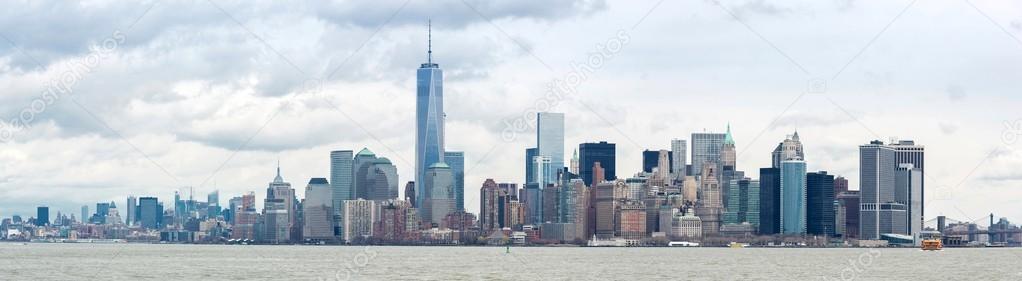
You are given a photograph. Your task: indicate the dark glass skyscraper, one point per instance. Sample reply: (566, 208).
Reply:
(150, 213)
(429, 118)
(769, 201)
(590, 153)
(651, 157)
(530, 169)
(820, 204)
(42, 216)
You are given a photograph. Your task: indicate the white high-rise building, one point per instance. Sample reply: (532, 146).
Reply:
(439, 191)
(680, 151)
(317, 211)
(357, 217)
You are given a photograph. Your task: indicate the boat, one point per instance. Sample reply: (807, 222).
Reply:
(931, 241)
(736, 245)
(683, 244)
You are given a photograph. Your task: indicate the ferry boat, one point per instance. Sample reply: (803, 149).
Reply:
(683, 244)
(736, 245)
(931, 241)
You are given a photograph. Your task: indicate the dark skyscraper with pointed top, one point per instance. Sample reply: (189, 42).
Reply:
(429, 117)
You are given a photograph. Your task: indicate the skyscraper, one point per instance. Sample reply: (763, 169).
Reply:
(820, 204)
(318, 211)
(679, 158)
(438, 193)
(710, 208)
(602, 152)
(550, 142)
(132, 211)
(150, 214)
(662, 174)
(358, 217)
(840, 185)
(651, 159)
(790, 148)
(341, 178)
(362, 164)
(793, 197)
(743, 205)
(909, 184)
(847, 218)
(85, 214)
(728, 163)
(573, 166)
(246, 218)
(456, 159)
(706, 148)
(101, 211)
(884, 207)
(530, 171)
(279, 211)
(42, 216)
(213, 204)
(410, 193)
(375, 178)
(429, 116)
(489, 206)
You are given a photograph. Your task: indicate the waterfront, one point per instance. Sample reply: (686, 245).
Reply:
(218, 262)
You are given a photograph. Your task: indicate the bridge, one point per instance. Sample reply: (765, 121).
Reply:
(996, 232)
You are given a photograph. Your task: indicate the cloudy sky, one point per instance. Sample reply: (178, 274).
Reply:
(102, 99)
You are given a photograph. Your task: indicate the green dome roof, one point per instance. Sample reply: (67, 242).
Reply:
(365, 152)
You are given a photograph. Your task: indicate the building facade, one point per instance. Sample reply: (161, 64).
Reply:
(550, 142)
(456, 159)
(317, 211)
(883, 202)
(429, 119)
(706, 148)
(793, 197)
(592, 153)
(820, 204)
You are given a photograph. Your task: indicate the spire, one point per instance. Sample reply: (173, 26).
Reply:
(728, 139)
(429, 43)
(278, 179)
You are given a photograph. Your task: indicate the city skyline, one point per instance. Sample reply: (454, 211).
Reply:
(484, 93)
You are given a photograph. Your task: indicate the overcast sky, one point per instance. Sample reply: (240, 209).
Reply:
(104, 99)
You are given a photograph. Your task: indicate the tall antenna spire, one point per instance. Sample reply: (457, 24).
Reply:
(429, 48)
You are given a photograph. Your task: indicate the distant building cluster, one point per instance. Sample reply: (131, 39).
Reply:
(582, 200)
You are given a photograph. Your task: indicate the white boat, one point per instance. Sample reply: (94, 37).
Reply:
(683, 244)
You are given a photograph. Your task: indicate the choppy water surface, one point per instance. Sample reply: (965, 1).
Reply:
(192, 262)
